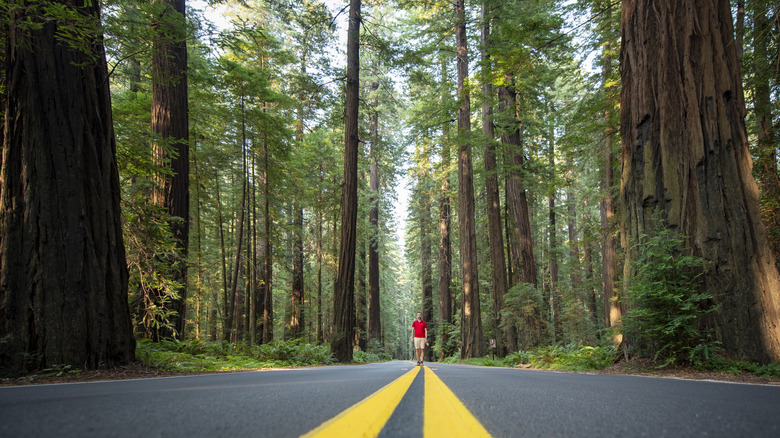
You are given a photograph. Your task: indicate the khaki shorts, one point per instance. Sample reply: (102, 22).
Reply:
(419, 343)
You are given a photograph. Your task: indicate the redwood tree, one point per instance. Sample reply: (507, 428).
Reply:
(472, 342)
(374, 313)
(685, 158)
(170, 124)
(63, 274)
(344, 289)
(507, 342)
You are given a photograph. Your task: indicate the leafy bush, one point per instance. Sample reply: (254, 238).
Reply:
(735, 367)
(173, 355)
(524, 306)
(668, 302)
(365, 357)
(571, 357)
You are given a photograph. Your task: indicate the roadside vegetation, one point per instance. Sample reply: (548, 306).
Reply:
(193, 355)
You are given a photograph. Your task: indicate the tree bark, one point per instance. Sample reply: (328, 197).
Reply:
(445, 246)
(268, 296)
(555, 290)
(517, 201)
(297, 314)
(611, 296)
(574, 250)
(472, 342)
(170, 124)
(685, 159)
(374, 313)
(319, 263)
(426, 267)
(507, 342)
(767, 145)
(344, 296)
(361, 297)
(63, 274)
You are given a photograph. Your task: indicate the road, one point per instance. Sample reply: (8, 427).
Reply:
(394, 399)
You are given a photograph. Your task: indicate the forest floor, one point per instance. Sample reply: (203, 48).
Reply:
(639, 367)
(138, 370)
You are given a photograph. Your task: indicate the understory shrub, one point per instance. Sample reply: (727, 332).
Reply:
(570, 357)
(174, 355)
(667, 302)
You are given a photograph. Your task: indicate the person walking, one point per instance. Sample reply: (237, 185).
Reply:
(419, 337)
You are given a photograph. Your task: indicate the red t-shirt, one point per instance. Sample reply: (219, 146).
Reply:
(419, 328)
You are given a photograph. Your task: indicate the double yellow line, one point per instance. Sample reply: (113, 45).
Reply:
(445, 414)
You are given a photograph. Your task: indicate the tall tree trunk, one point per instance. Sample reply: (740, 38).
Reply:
(257, 254)
(574, 250)
(63, 274)
(319, 261)
(297, 314)
(766, 149)
(319, 278)
(223, 251)
(374, 314)
(522, 263)
(170, 124)
(611, 296)
(739, 31)
(426, 267)
(268, 296)
(344, 297)
(361, 298)
(555, 290)
(445, 247)
(590, 281)
(517, 201)
(472, 342)
(199, 261)
(685, 159)
(507, 342)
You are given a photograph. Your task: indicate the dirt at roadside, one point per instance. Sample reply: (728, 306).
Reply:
(646, 368)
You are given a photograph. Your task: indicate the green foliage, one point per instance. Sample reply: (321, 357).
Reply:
(366, 357)
(720, 364)
(174, 355)
(523, 308)
(571, 357)
(668, 302)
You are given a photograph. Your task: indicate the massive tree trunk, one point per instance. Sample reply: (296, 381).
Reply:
(344, 293)
(472, 342)
(522, 262)
(507, 342)
(685, 160)
(63, 274)
(517, 200)
(170, 124)
(612, 305)
(374, 314)
(766, 150)
(445, 247)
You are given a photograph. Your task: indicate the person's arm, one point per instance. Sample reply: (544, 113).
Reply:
(426, 335)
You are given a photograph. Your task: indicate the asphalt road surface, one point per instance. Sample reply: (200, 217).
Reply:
(318, 401)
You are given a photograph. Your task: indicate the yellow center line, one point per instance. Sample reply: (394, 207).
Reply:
(367, 417)
(445, 414)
